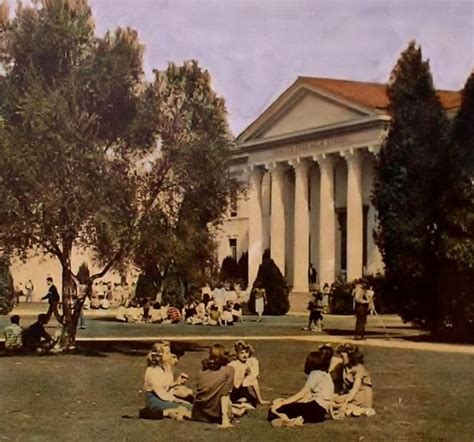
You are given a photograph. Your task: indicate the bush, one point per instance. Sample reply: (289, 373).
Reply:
(229, 270)
(243, 269)
(341, 301)
(340, 298)
(276, 288)
(146, 287)
(83, 274)
(7, 292)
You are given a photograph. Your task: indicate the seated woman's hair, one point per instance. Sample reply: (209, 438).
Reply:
(218, 358)
(156, 305)
(316, 361)
(353, 353)
(156, 353)
(327, 352)
(242, 345)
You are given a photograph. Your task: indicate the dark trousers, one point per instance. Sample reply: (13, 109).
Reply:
(311, 412)
(53, 309)
(243, 393)
(361, 312)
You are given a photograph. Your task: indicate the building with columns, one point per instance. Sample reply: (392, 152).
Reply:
(309, 163)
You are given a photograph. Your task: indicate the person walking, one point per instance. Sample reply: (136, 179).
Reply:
(53, 299)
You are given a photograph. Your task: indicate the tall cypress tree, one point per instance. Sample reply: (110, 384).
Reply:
(409, 177)
(456, 205)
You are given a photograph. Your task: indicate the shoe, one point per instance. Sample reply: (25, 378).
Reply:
(305, 328)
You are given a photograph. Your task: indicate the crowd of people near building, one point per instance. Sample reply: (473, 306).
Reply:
(228, 386)
(220, 305)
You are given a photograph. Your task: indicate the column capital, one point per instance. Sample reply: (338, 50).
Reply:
(374, 150)
(324, 160)
(256, 171)
(300, 165)
(277, 168)
(353, 157)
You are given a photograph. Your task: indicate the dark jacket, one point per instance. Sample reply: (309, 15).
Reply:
(52, 296)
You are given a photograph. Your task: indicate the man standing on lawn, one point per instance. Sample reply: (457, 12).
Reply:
(53, 298)
(361, 310)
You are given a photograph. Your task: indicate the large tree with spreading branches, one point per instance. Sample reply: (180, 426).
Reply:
(93, 156)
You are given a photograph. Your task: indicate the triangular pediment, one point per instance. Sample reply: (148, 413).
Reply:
(302, 108)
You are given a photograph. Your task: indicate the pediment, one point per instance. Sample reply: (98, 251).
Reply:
(301, 108)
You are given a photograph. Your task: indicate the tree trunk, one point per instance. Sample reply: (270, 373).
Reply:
(70, 316)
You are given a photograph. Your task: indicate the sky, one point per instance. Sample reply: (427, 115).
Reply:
(255, 49)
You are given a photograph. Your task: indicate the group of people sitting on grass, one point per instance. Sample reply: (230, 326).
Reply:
(35, 338)
(198, 310)
(227, 386)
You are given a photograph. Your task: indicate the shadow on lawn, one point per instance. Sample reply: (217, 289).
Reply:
(103, 349)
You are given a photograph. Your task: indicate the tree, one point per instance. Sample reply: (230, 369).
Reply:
(409, 178)
(7, 291)
(276, 288)
(229, 269)
(196, 184)
(456, 226)
(243, 266)
(74, 121)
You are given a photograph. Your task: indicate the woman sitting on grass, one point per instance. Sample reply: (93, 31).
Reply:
(356, 397)
(159, 383)
(213, 386)
(246, 371)
(312, 402)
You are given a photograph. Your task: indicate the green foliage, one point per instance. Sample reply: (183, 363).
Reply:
(7, 298)
(340, 298)
(409, 178)
(276, 288)
(83, 274)
(229, 270)
(196, 184)
(146, 287)
(456, 226)
(243, 269)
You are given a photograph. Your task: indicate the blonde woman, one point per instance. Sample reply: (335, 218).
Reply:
(159, 381)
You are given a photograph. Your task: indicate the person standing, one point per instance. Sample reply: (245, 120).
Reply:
(260, 301)
(53, 299)
(29, 291)
(361, 310)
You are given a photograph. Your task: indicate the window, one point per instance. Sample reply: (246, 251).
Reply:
(233, 247)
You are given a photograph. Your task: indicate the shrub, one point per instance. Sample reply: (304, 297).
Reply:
(340, 299)
(229, 270)
(276, 288)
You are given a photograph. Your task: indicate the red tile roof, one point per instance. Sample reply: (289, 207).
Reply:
(371, 94)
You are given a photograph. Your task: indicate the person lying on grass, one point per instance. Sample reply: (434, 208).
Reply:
(356, 397)
(246, 390)
(159, 383)
(213, 386)
(312, 403)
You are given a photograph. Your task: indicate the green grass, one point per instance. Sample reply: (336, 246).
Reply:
(419, 395)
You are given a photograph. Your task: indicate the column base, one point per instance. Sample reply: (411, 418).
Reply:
(299, 301)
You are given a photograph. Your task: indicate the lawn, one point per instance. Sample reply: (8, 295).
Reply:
(419, 395)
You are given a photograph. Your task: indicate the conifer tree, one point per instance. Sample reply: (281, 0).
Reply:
(409, 177)
(456, 226)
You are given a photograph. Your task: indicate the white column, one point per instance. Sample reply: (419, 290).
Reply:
(277, 220)
(301, 228)
(354, 216)
(327, 221)
(255, 223)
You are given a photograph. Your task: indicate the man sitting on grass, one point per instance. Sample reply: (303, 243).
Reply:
(36, 338)
(13, 332)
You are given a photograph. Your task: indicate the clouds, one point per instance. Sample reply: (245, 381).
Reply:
(254, 49)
